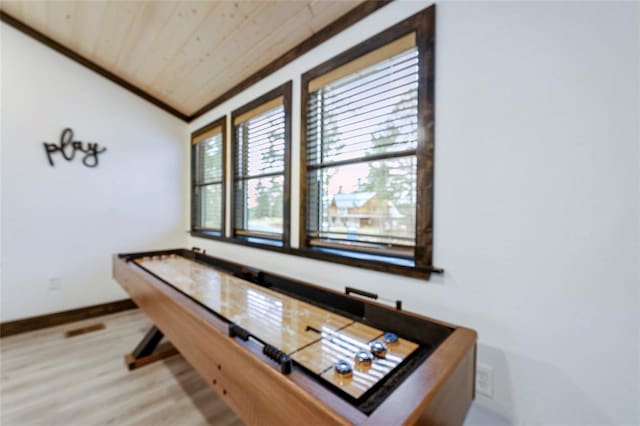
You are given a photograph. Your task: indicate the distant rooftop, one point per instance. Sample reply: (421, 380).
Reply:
(352, 199)
(355, 200)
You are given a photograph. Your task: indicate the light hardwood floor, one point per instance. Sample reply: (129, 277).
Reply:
(47, 379)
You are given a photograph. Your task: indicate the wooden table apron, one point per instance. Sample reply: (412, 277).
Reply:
(438, 392)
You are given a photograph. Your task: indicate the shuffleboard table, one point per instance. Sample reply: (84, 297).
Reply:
(282, 352)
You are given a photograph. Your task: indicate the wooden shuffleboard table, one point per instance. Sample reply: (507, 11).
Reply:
(281, 351)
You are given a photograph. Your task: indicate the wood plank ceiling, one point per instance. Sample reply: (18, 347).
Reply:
(183, 53)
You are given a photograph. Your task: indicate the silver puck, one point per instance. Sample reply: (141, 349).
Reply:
(378, 349)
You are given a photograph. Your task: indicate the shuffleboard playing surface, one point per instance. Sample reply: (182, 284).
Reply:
(314, 337)
(342, 345)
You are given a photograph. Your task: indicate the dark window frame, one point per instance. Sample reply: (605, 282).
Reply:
(423, 25)
(222, 123)
(256, 239)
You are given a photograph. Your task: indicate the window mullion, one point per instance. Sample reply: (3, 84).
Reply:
(368, 159)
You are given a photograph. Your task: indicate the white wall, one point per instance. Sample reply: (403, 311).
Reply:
(536, 202)
(67, 221)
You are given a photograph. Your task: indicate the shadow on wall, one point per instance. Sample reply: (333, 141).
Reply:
(499, 410)
(481, 416)
(544, 394)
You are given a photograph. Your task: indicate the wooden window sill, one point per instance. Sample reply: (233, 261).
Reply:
(389, 264)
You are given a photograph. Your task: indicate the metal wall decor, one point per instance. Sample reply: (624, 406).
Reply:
(68, 148)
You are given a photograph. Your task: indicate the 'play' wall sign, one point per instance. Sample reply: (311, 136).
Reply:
(68, 148)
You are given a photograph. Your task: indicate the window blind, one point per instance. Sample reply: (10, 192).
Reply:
(259, 166)
(361, 151)
(208, 180)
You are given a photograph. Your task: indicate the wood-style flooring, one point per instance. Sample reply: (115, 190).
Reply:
(47, 379)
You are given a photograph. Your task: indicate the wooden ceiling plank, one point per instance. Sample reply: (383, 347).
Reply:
(119, 17)
(13, 8)
(323, 13)
(216, 85)
(282, 18)
(280, 41)
(132, 29)
(238, 43)
(355, 14)
(233, 41)
(327, 13)
(86, 27)
(318, 6)
(60, 18)
(201, 47)
(186, 18)
(137, 46)
(35, 14)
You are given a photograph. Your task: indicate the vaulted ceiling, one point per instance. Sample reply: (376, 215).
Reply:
(184, 54)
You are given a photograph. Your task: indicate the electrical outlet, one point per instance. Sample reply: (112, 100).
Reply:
(484, 380)
(54, 283)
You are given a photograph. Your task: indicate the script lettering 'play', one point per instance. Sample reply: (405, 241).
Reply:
(68, 148)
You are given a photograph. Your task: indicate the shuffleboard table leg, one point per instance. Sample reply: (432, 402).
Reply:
(149, 350)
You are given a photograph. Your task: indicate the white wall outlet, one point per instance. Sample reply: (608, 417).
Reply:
(484, 380)
(55, 283)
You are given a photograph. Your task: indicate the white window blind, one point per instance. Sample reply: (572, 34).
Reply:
(208, 177)
(259, 166)
(361, 152)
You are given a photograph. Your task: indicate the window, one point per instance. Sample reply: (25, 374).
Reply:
(367, 150)
(207, 178)
(261, 168)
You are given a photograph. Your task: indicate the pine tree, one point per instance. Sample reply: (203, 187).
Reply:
(391, 179)
(269, 199)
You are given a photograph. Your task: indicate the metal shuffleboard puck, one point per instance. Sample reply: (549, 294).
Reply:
(390, 338)
(343, 369)
(378, 349)
(363, 359)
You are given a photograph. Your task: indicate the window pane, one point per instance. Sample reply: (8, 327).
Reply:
(357, 119)
(262, 202)
(211, 203)
(260, 147)
(209, 160)
(259, 151)
(370, 201)
(371, 112)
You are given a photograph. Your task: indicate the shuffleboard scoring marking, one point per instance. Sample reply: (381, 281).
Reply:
(344, 345)
(314, 337)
